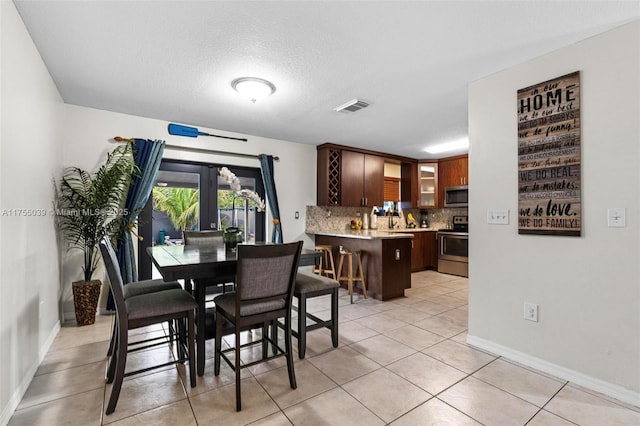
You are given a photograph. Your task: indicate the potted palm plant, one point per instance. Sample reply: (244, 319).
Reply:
(89, 207)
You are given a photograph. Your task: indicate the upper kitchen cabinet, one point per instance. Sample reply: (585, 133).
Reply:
(453, 171)
(427, 185)
(350, 177)
(362, 180)
(328, 170)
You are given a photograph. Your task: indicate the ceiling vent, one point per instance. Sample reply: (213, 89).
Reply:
(352, 106)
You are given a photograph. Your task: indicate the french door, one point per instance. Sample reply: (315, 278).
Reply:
(192, 196)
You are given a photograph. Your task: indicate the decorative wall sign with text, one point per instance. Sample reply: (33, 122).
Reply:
(549, 166)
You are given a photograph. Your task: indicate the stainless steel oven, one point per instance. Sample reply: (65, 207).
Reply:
(453, 248)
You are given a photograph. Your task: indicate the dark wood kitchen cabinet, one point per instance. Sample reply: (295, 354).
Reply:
(352, 177)
(362, 180)
(424, 251)
(453, 171)
(328, 175)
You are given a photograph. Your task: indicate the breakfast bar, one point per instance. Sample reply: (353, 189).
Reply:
(386, 258)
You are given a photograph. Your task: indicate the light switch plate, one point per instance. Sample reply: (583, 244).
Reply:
(616, 217)
(498, 217)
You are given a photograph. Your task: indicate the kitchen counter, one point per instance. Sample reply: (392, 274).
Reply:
(369, 234)
(413, 230)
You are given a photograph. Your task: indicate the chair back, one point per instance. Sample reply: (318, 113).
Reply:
(203, 238)
(266, 273)
(115, 278)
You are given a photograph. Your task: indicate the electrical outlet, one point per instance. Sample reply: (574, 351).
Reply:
(498, 217)
(531, 312)
(297, 215)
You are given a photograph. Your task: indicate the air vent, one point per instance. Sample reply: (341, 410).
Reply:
(352, 106)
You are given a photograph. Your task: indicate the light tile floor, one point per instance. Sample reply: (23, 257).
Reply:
(401, 362)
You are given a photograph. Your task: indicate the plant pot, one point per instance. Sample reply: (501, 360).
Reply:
(85, 300)
(231, 237)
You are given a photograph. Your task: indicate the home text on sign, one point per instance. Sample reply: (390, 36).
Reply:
(549, 162)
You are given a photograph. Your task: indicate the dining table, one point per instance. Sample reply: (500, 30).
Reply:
(196, 264)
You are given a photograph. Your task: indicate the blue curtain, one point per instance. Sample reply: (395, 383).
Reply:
(266, 168)
(147, 155)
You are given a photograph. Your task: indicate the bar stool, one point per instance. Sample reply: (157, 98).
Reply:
(326, 267)
(350, 278)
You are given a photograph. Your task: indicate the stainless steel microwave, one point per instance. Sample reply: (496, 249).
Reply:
(456, 196)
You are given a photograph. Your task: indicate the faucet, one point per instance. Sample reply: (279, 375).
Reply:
(391, 223)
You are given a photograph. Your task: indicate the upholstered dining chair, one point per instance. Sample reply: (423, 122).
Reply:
(211, 238)
(265, 279)
(140, 311)
(143, 287)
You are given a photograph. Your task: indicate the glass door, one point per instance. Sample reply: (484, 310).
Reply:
(192, 196)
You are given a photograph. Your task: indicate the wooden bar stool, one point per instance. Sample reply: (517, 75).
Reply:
(350, 277)
(326, 267)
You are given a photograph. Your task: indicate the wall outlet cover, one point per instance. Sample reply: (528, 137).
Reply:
(531, 312)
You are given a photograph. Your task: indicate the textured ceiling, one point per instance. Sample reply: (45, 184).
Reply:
(412, 61)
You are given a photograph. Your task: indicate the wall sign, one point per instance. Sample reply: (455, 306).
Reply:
(549, 166)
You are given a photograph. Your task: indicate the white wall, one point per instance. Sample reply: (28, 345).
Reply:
(30, 160)
(587, 288)
(88, 132)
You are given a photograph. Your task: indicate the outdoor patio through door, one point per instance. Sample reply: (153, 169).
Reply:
(192, 196)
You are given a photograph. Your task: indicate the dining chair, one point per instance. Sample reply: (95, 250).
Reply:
(265, 280)
(140, 311)
(137, 288)
(212, 238)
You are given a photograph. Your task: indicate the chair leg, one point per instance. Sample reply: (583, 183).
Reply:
(339, 270)
(113, 336)
(302, 326)
(200, 298)
(288, 347)
(265, 342)
(350, 282)
(170, 331)
(334, 318)
(182, 336)
(191, 341)
(274, 336)
(218, 345)
(111, 366)
(236, 363)
(364, 286)
(121, 360)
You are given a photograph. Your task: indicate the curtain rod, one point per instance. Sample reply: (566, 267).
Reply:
(198, 150)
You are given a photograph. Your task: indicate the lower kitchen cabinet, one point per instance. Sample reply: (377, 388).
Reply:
(386, 262)
(424, 252)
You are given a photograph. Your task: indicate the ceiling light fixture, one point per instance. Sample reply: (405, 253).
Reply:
(253, 88)
(458, 144)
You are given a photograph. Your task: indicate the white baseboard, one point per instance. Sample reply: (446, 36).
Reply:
(69, 316)
(581, 379)
(15, 399)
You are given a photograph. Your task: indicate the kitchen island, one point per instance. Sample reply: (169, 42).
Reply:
(386, 258)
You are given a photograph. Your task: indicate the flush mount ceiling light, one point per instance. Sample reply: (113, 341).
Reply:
(253, 88)
(458, 144)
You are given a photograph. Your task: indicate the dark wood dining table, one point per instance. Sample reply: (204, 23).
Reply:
(195, 263)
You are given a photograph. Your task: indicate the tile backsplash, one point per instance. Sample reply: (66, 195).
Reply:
(333, 218)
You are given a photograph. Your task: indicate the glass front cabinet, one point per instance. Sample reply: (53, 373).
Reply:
(427, 184)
